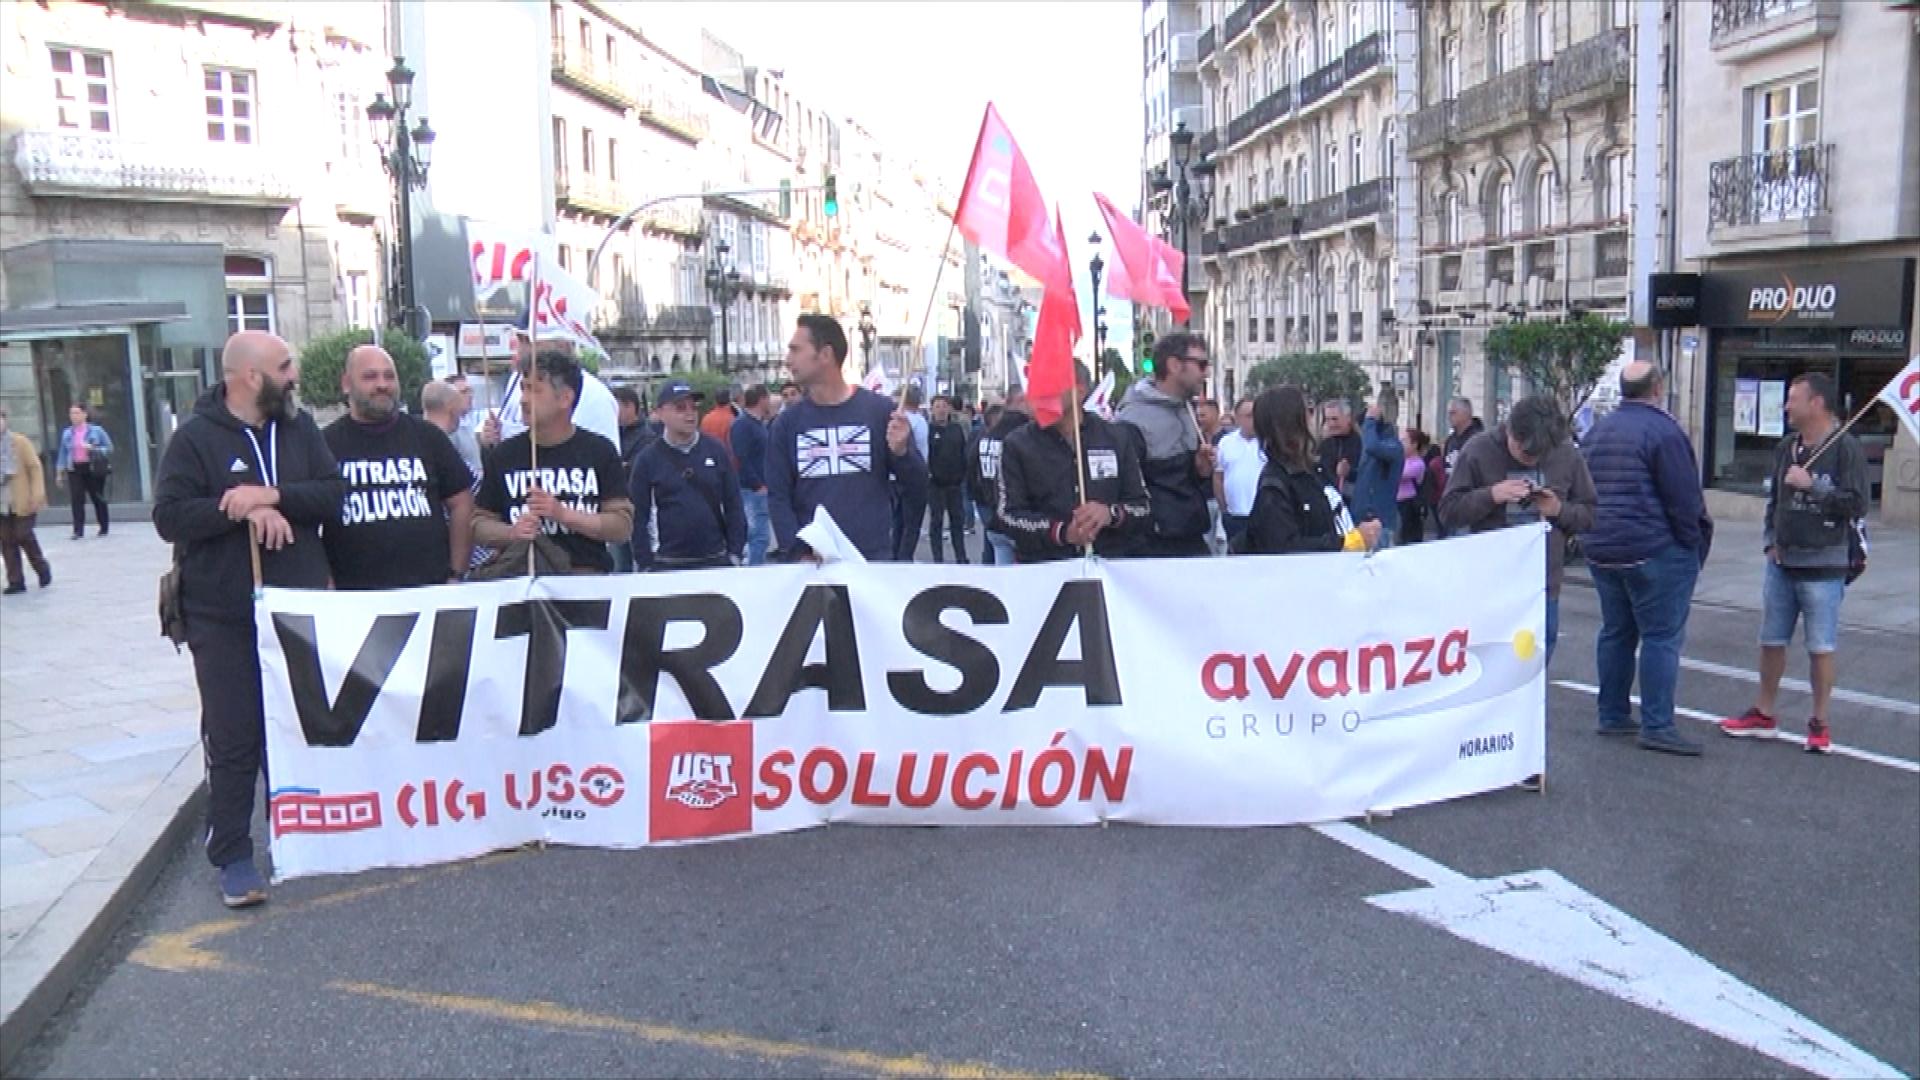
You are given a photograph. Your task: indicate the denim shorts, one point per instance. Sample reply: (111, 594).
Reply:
(1786, 598)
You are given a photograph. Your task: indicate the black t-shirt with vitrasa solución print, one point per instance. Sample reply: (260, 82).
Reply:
(392, 532)
(582, 473)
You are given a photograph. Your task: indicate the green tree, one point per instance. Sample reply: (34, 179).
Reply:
(1324, 375)
(1561, 359)
(325, 357)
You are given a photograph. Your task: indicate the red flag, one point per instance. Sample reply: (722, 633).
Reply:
(1001, 208)
(1050, 371)
(1146, 269)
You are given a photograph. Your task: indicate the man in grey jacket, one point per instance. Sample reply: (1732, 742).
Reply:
(1177, 462)
(1818, 491)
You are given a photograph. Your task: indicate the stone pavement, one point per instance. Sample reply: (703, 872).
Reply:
(99, 762)
(1887, 596)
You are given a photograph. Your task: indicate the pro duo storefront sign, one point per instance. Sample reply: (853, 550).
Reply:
(1869, 292)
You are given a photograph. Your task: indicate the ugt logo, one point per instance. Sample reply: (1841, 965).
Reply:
(701, 781)
(696, 773)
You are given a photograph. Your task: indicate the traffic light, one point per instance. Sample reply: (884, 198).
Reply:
(786, 197)
(1146, 352)
(832, 199)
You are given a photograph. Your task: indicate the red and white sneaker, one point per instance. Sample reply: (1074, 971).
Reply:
(1818, 741)
(1752, 724)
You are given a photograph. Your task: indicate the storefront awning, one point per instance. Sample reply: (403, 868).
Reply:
(37, 322)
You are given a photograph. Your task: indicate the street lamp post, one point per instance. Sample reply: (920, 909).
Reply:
(404, 154)
(1192, 190)
(1096, 266)
(723, 284)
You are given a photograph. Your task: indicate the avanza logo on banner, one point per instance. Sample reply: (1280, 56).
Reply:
(647, 709)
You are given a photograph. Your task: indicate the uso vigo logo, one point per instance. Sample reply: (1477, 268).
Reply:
(697, 780)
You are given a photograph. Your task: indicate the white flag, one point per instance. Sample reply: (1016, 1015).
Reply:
(1903, 396)
(563, 305)
(1100, 402)
(502, 256)
(877, 379)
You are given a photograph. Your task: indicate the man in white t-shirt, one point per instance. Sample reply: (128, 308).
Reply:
(1236, 479)
(597, 411)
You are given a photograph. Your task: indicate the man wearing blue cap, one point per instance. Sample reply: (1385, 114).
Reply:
(684, 484)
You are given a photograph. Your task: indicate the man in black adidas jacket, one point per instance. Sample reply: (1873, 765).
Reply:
(247, 460)
(1040, 503)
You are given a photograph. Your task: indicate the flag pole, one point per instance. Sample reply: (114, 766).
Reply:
(1835, 437)
(533, 434)
(933, 297)
(1079, 456)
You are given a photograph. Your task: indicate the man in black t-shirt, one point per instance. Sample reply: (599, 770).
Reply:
(567, 486)
(407, 518)
(1339, 445)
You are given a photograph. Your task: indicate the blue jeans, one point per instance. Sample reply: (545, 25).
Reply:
(759, 526)
(1786, 599)
(1553, 625)
(1643, 608)
(1001, 545)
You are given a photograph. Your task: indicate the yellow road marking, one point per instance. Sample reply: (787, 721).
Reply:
(548, 1014)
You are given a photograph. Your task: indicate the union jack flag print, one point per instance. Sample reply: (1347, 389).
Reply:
(835, 451)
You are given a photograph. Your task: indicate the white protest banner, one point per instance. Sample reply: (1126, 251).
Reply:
(1902, 395)
(563, 305)
(418, 726)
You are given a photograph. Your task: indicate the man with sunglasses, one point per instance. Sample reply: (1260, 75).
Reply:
(684, 483)
(1177, 460)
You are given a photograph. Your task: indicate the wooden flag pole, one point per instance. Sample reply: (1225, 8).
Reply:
(1079, 455)
(1842, 430)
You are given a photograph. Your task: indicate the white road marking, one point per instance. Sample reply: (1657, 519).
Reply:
(1854, 752)
(1857, 697)
(1542, 919)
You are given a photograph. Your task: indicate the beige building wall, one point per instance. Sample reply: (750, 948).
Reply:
(303, 193)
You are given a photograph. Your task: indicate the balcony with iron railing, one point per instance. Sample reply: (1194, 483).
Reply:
(679, 218)
(1270, 109)
(1612, 254)
(1323, 213)
(1746, 28)
(1206, 45)
(1365, 56)
(668, 111)
(664, 321)
(1503, 102)
(1207, 144)
(103, 166)
(1241, 18)
(1366, 200)
(1430, 130)
(1323, 83)
(1597, 68)
(579, 68)
(1271, 224)
(1776, 193)
(589, 194)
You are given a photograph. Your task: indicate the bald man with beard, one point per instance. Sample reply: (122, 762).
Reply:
(407, 519)
(247, 460)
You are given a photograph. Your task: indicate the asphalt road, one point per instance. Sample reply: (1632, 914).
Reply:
(1116, 951)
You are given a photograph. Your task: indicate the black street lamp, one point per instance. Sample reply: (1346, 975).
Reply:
(723, 286)
(1096, 266)
(1191, 189)
(405, 154)
(867, 332)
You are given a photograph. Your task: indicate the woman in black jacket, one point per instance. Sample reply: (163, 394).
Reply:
(1297, 509)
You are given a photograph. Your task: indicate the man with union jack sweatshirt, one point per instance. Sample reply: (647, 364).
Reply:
(1040, 503)
(839, 446)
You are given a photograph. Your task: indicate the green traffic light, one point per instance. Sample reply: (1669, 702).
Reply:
(832, 200)
(1146, 365)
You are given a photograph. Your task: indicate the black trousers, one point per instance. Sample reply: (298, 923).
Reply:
(910, 512)
(16, 539)
(233, 731)
(84, 483)
(947, 503)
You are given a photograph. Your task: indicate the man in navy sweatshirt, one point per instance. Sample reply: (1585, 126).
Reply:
(1649, 538)
(684, 483)
(840, 447)
(750, 450)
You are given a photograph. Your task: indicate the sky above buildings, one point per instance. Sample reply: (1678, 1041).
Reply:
(1064, 75)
